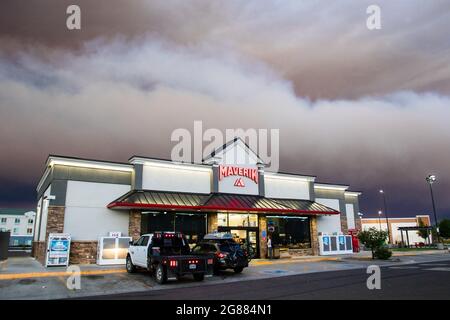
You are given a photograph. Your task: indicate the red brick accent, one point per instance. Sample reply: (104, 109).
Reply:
(83, 252)
(134, 224)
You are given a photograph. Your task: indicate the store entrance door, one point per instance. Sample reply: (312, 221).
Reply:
(249, 236)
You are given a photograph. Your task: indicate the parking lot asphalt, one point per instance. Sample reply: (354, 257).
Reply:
(402, 282)
(107, 280)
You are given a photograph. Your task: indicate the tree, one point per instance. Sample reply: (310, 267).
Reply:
(444, 228)
(373, 239)
(423, 233)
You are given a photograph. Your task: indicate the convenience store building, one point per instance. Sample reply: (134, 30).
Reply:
(88, 199)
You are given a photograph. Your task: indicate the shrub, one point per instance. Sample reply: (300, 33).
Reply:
(372, 239)
(383, 253)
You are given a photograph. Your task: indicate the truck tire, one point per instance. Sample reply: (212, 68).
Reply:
(238, 269)
(199, 276)
(131, 268)
(160, 274)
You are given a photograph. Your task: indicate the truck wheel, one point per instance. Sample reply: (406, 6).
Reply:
(160, 275)
(199, 276)
(131, 268)
(238, 269)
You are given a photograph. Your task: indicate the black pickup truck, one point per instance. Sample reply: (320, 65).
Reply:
(168, 256)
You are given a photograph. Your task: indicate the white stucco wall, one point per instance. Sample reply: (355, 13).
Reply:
(86, 215)
(329, 224)
(413, 236)
(350, 213)
(395, 233)
(43, 219)
(176, 178)
(287, 188)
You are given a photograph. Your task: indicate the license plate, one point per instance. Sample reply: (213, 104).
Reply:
(192, 266)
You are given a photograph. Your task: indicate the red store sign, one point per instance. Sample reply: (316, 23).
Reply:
(227, 171)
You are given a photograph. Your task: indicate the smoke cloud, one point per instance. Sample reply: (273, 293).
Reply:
(353, 106)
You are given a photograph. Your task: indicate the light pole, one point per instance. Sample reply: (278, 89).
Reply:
(379, 218)
(386, 214)
(431, 179)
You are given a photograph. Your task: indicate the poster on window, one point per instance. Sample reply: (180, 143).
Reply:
(58, 249)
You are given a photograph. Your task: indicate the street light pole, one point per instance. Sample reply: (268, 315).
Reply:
(379, 218)
(386, 214)
(431, 179)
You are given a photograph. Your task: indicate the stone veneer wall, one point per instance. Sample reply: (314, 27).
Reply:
(134, 224)
(301, 252)
(212, 222)
(83, 252)
(55, 220)
(55, 224)
(344, 225)
(38, 251)
(314, 236)
(358, 224)
(262, 241)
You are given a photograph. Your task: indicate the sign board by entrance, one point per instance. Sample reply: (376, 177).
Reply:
(58, 249)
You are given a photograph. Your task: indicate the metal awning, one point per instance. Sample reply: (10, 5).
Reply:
(213, 202)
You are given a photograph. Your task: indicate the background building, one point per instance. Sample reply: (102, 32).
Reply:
(229, 191)
(395, 223)
(20, 222)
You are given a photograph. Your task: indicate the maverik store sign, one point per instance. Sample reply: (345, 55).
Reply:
(234, 179)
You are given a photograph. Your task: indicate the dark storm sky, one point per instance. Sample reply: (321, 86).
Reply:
(365, 108)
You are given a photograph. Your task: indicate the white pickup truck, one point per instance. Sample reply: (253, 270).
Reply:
(168, 256)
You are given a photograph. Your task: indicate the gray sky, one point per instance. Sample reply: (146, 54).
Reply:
(367, 108)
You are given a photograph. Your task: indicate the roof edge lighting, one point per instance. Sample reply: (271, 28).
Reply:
(89, 164)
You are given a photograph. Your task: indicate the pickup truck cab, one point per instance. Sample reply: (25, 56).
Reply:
(168, 256)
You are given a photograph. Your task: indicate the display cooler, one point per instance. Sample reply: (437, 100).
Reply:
(112, 250)
(335, 244)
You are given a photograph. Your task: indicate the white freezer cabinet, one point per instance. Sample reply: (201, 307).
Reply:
(112, 250)
(335, 244)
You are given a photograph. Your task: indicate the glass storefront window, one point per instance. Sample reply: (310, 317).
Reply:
(193, 226)
(237, 220)
(222, 219)
(289, 232)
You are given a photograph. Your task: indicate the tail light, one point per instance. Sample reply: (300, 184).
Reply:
(221, 255)
(210, 261)
(173, 263)
(192, 261)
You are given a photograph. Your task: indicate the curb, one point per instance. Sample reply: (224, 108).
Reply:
(292, 260)
(15, 276)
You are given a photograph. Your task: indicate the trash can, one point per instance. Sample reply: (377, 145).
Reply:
(4, 244)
